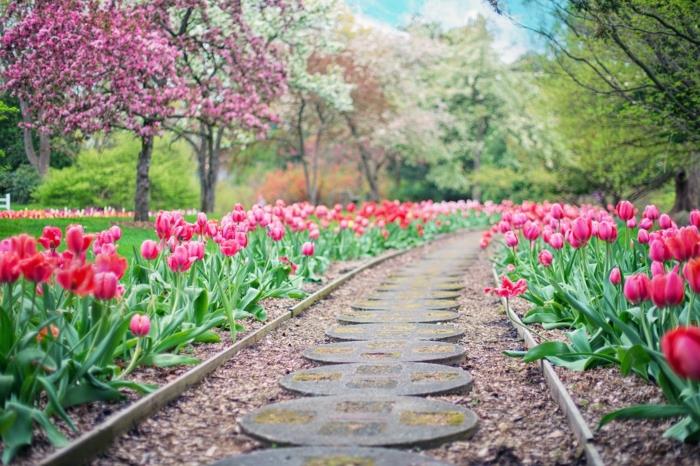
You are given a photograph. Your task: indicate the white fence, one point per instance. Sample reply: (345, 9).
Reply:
(5, 202)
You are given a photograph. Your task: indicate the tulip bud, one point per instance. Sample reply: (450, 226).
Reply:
(308, 248)
(667, 289)
(651, 212)
(105, 285)
(695, 217)
(140, 325)
(150, 249)
(556, 211)
(9, 267)
(556, 241)
(658, 251)
(545, 258)
(625, 210)
(646, 224)
(511, 239)
(643, 236)
(681, 348)
(615, 276)
(657, 268)
(665, 222)
(691, 272)
(631, 223)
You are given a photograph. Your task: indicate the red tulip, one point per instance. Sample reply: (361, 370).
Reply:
(684, 244)
(23, 245)
(77, 241)
(308, 248)
(78, 279)
(111, 263)
(625, 210)
(637, 288)
(545, 258)
(508, 289)
(681, 347)
(9, 267)
(667, 289)
(36, 269)
(105, 285)
(150, 249)
(51, 237)
(615, 276)
(691, 272)
(140, 325)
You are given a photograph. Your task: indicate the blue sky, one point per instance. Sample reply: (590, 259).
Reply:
(511, 41)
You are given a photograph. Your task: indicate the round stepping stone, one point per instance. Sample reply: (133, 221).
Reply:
(386, 351)
(409, 378)
(329, 456)
(408, 295)
(380, 317)
(402, 421)
(395, 331)
(406, 306)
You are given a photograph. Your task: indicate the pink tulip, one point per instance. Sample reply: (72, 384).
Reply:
(556, 211)
(581, 229)
(531, 231)
(646, 224)
(637, 288)
(631, 223)
(229, 247)
(691, 272)
(665, 222)
(615, 276)
(179, 260)
(657, 268)
(658, 251)
(625, 210)
(643, 236)
(308, 248)
(667, 289)
(695, 217)
(140, 325)
(511, 239)
(150, 250)
(545, 258)
(651, 212)
(607, 231)
(556, 241)
(105, 285)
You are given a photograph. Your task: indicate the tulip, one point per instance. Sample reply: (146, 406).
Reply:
(179, 260)
(615, 276)
(229, 247)
(637, 288)
(9, 267)
(531, 231)
(581, 230)
(150, 249)
(51, 237)
(646, 224)
(631, 223)
(78, 279)
(105, 285)
(116, 233)
(44, 332)
(556, 211)
(651, 212)
(23, 245)
(511, 239)
(684, 244)
(607, 231)
(691, 272)
(657, 268)
(665, 222)
(658, 251)
(625, 210)
(667, 289)
(508, 289)
(36, 269)
(643, 236)
(545, 258)
(556, 241)
(77, 241)
(140, 325)
(308, 248)
(276, 231)
(196, 249)
(695, 218)
(111, 263)
(681, 348)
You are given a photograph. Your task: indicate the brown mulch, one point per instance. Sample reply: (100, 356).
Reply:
(519, 424)
(601, 390)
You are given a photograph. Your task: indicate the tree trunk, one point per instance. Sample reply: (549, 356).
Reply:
(209, 161)
(41, 161)
(687, 182)
(366, 159)
(480, 142)
(143, 182)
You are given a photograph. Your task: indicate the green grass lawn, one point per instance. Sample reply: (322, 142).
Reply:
(131, 236)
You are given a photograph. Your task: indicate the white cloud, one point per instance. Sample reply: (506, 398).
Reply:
(510, 41)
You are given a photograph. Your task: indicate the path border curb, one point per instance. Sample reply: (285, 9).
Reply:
(90, 444)
(557, 390)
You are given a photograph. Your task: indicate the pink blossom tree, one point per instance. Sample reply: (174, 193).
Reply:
(233, 68)
(86, 66)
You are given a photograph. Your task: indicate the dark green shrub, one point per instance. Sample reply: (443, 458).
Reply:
(20, 183)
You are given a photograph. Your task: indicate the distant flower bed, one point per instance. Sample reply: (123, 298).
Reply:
(65, 213)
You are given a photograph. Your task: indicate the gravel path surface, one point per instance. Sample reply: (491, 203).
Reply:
(519, 424)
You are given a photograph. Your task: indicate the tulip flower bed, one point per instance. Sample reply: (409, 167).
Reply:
(621, 287)
(65, 213)
(77, 319)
